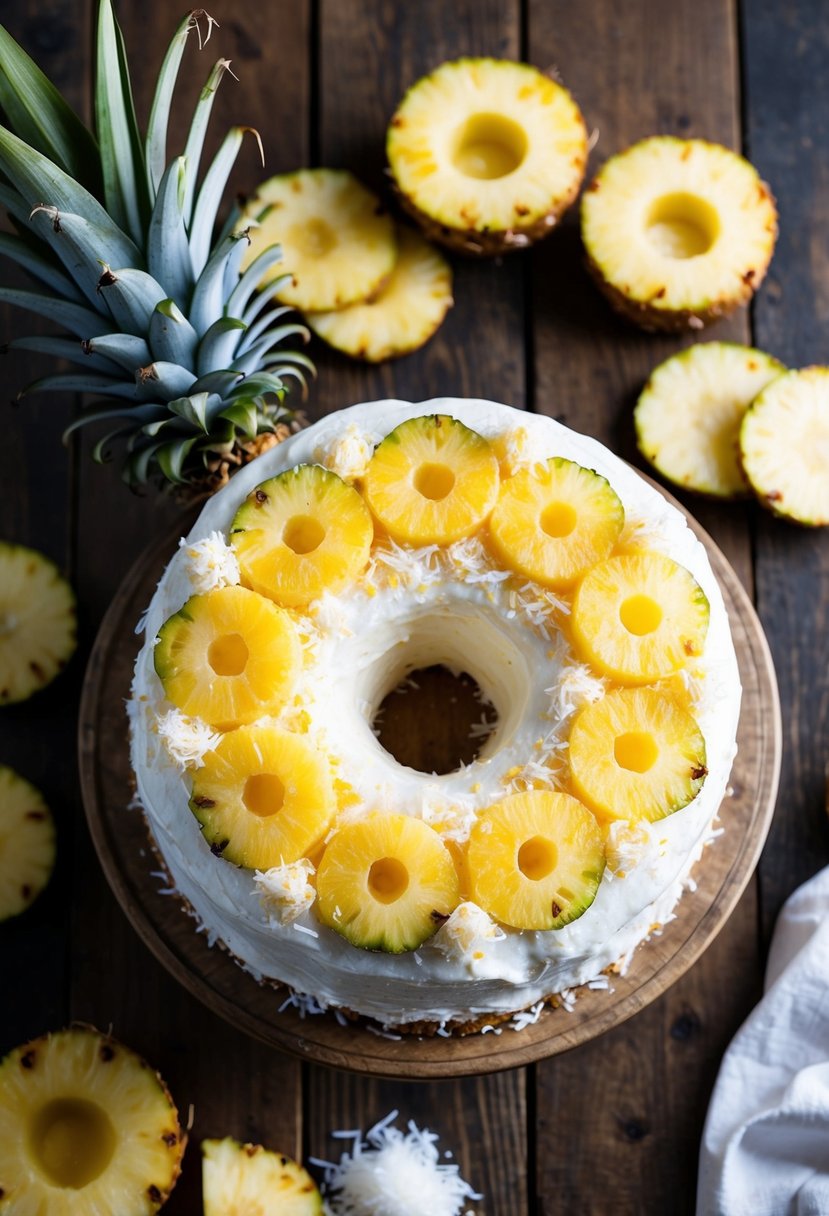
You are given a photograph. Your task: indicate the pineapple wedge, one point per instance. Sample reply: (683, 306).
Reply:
(401, 315)
(37, 622)
(27, 843)
(784, 446)
(689, 414)
(248, 1180)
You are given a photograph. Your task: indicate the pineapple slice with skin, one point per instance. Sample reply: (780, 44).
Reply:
(86, 1127)
(338, 243)
(636, 754)
(678, 232)
(689, 414)
(784, 446)
(487, 154)
(38, 622)
(432, 480)
(301, 533)
(27, 843)
(401, 315)
(229, 656)
(536, 860)
(639, 617)
(264, 797)
(386, 882)
(554, 520)
(249, 1180)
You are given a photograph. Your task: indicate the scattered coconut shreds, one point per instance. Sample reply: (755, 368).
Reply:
(467, 934)
(285, 892)
(211, 562)
(187, 740)
(305, 1004)
(349, 454)
(526, 1017)
(394, 1173)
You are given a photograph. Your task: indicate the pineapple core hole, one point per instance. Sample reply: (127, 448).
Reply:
(488, 146)
(682, 226)
(640, 615)
(264, 794)
(303, 534)
(313, 239)
(433, 481)
(636, 751)
(388, 879)
(537, 858)
(72, 1141)
(558, 519)
(228, 655)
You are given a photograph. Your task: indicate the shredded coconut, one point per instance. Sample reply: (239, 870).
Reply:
(187, 740)
(467, 936)
(526, 1017)
(629, 844)
(348, 455)
(211, 562)
(285, 892)
(305, 1004)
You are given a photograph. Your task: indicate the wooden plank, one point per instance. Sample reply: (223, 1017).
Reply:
(787, 94)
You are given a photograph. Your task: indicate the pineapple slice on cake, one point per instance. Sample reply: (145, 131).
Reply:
(37, 622)
(636, 754)
(401, 315)
(678, 232)
(249, 1180)
(27, 843)
(554, 520)
(432, 480)
(87, 1128)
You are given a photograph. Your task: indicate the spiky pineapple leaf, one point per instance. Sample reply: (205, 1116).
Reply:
(168, 250)
(198, 129)
(155, 145)
(210, 196)
(122, 160)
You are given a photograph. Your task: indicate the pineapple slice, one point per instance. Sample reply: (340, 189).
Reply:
(27, 843)
(229, 657)
(636, 754)
(784, 446)
(37, 622)
(554, 520)
(401, 315)
(264, 797)
(386, 882)
(302, 532)
(688, 416)
(487, 154)
(536, 860)
(86, 1127)
(248, 1180)
(432, 481)
(338, 243)
(678, 232)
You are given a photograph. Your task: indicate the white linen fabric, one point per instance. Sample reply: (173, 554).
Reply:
(765, 1148)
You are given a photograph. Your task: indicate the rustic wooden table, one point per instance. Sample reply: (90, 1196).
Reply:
(614, 1126)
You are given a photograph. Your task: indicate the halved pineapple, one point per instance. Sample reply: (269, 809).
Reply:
(229, 657)
(264, 797)
(27, 843)
(86, 1128)
(386, 882)
(639, 617)
(338, 243)
(37, 622)
(535, 860)
(249, 1180)
(689, 413)
(487, 154)
(301, 533)
(401, 315)
(678, 232)
(784, 446)
(431, 481)
(636, 754)
(554, 520)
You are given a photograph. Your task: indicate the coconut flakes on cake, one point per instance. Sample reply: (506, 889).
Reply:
(467, 937)
(285, 892)
(186, 740)
(211, 562)
(349, 454)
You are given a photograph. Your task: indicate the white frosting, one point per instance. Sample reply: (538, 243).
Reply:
(411, 609)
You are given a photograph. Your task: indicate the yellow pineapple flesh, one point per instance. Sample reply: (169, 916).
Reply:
(249, 1180)
(27, 843)
(37, 622)
(229, 656)
(301, 533)
(432, 480)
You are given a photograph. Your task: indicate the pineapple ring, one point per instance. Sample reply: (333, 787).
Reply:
(37, 622)
(27, 843)
(238, 1178)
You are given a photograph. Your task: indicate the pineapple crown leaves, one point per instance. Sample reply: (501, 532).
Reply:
(176, 340)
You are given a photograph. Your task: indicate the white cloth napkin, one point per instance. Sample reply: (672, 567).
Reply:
(765, 1148)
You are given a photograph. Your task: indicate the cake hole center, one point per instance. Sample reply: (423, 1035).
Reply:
(640, 615)
(636, 751)
(72, 1141)
(388, 879)
(434, 481)
(434, 721)
(682, 226)
(558, 519)
(264, 794)
(313, 239)
(303, 534)
(228, 655)
(537, 858)
(489, 146)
